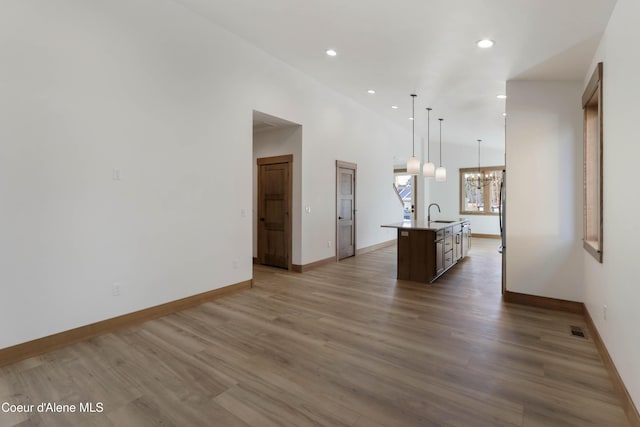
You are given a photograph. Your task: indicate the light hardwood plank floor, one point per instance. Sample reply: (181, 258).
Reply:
(343, 345)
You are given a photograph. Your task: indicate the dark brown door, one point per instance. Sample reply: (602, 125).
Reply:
(274, 205)
(345, 202)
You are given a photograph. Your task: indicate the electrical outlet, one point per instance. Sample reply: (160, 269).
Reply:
(115, 289)
(328, 243)
(243, 213)
(604, 312)
(307, 209)
(115, 174)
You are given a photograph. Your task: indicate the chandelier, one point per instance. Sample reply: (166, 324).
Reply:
(482, 179)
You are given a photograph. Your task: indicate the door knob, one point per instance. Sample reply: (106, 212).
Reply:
(261, 219)
(339, 217)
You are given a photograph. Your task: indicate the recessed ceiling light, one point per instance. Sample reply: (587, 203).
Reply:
(485, 43)
(501, 96)
(395, 107)
(331, 52)
(504, 114)
(371, 91)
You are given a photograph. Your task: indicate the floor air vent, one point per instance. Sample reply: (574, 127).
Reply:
(577, 331)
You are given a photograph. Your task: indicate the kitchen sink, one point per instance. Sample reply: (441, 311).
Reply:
(441, 221)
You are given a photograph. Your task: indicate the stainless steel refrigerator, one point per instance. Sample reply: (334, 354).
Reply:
(503, 227)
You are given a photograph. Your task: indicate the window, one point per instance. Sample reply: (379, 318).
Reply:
(592, 140)
(480, 190)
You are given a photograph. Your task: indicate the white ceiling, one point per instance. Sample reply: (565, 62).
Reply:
(425, 47)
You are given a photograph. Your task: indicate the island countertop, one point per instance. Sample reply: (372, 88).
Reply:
(424, 225)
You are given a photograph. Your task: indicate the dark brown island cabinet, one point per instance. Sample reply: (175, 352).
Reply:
(426, 250)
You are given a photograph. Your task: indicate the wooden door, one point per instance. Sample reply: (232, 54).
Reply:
(345, 204)
(274, 207)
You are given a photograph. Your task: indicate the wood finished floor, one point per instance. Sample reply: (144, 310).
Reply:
(343, 345)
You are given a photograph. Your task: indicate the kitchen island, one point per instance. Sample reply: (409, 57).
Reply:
(426, 250)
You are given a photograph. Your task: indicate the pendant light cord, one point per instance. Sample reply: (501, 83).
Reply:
(413, 124)
(441, 141)
(480, 175)
(428, 135)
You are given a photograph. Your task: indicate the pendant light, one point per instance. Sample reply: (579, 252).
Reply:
(441, 172)
(428, 169)
(413, 164)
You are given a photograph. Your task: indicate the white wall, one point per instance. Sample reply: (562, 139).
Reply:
(279, 142)
(356, 139)
(544, 197)
(447, 194)
(150, 89)
(615, 282)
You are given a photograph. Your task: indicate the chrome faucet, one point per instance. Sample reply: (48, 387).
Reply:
(429, 210)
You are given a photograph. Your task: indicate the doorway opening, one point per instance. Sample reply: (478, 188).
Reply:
(277, 151)
(406, 189)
